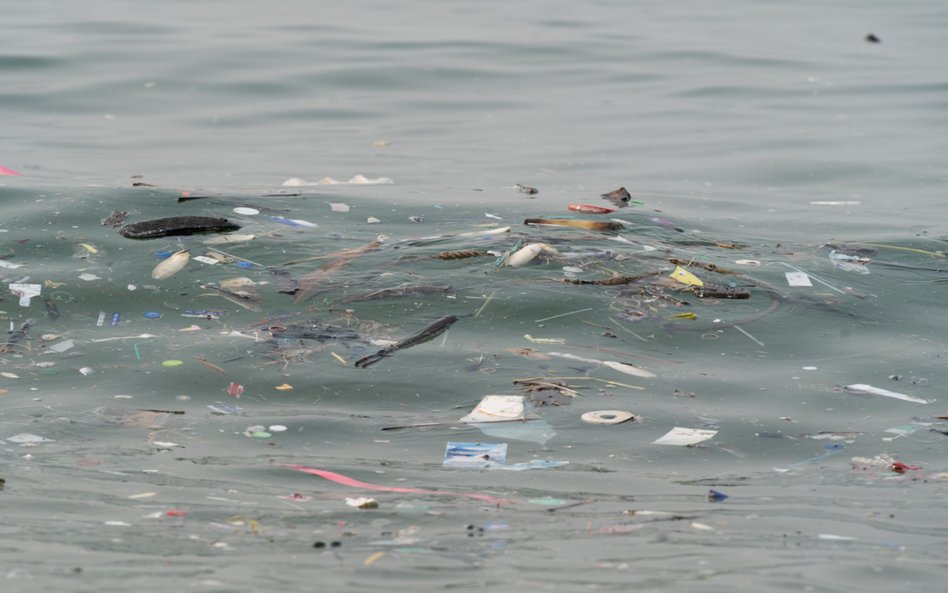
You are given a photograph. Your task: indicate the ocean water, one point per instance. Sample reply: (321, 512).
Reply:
(156, 434)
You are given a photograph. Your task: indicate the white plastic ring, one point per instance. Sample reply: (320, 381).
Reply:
(607, 417)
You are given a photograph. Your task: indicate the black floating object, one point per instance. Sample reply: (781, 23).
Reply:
(619, 197)
(177, 225)
(871, 38)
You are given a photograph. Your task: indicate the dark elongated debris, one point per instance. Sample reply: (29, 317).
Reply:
(177, 225)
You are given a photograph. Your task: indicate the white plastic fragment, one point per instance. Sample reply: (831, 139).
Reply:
(88, 277)
(9, 375)
(25, 292)
(231, 238)
(869, 389)
(9, 265)
(628, 369)
(246, 211)
(86, 371)
(26, 438)
(357, 180)
(798, 279)
(836, 538)
(528, 253)
(171, 266)
(339, 207)
(606, 417)
(61, 346)
(682, 437)
(276, 428)
(372, 220)
(206, 260)
(363, 502)
(496, 408)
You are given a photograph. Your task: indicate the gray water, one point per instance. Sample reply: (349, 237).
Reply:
(764, 131)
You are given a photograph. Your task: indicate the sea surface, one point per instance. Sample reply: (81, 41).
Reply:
(211, 430)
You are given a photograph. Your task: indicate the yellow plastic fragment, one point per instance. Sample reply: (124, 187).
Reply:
(372, 559)
(284, 387)
(339, 358)
(684, 316)
(89, 248)
(685, 277)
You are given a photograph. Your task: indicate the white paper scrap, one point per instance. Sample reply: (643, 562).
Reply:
(8, 265)
(685, 436)
(339, 207)
(798, 279)
(205, 260)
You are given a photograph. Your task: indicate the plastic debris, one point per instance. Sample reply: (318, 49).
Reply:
(474, 455)
(246, 211)
(177, 225)
(171, 266)
(363, 502)
(869, 389)
(798, 279)
(684, 437)
(590, 209)
(10, 172)
(338, 207)
(530, 338)
(592, 225)
(715, 496)
(607, 417)
(524, 189)
(223, 409)
(509, 417)
(25, 438)
(353, 483)
(235, 390)
(685, 277)
(356, 180)
(25, 292)
(528, 253)
(294, 222)
(497, 408)
(628, 369)
(223, 239)
(426, 334)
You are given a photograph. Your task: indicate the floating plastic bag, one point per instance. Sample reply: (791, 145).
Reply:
(474, 455)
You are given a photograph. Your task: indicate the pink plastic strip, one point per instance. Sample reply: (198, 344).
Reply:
(353, 483)
(5, 171)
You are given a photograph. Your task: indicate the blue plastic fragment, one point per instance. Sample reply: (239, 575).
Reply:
(164, 254)
(152, 315)
(715, 496)
(244, 264)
